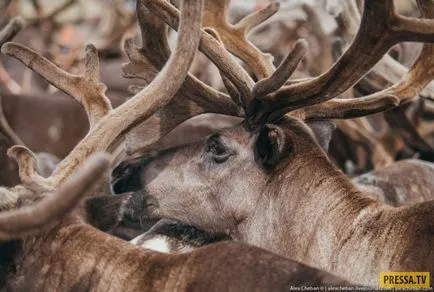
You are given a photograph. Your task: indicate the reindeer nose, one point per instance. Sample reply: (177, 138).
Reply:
(126, 177)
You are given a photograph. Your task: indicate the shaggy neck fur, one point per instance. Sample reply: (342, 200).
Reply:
(301, 220)
(325, 221)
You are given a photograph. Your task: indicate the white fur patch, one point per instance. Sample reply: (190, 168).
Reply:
(157, 243)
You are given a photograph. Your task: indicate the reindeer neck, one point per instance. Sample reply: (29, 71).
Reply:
(307, 211)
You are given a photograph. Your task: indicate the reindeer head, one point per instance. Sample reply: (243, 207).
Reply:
(220, 178)
(217, 183)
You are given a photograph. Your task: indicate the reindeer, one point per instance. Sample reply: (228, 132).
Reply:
(268, 181)
(52, 248)
(389, 186)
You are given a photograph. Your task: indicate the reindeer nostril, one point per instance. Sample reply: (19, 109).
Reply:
(126, 177)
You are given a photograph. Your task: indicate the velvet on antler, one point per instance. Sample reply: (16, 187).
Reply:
(107, 125)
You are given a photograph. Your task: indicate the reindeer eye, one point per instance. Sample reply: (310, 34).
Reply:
(217, 150)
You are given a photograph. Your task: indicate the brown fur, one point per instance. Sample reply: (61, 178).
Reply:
(76, 257)
(402, 183)
(306, 210)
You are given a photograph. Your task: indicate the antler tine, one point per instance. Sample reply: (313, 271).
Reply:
(348, 18)
(211, 48)
(347, 108)
(420, 75)
(380, 29)
(11, 29)
(6, 34)
(234, 36)
(251, 21)
(387, 68)
(29, 176)
(155, 49)
(15, 224)
(279, 77)
(85, 88)
(231, 89)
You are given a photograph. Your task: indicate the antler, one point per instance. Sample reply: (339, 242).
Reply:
(381, 28)
(108, 125)
(193, 98)
(27, 169)
(29, 220)
(85, 88)
(211, 48)
(234, 36)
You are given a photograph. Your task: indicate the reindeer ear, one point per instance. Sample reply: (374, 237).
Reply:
(270, 146)
(323, 131)
(126, 176)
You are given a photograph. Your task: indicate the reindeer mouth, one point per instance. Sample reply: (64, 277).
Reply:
(142, 208)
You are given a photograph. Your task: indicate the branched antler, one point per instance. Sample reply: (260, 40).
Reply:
(29, 220)
(85, 88)
(211, 48)
(193, 98)
(145, 63)
(234, 36)
(372, 41)
(107, 128)
(107, 125)
(27, 169)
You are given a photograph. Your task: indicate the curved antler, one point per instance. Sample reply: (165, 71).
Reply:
(29, 176)
(29, 220)
(85, 88)
(193, 98)
(211, 48)
(234, 36)
(372, 41)
(413, 82)
(108, 128)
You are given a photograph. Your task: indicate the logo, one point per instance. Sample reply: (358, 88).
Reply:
(405, 280)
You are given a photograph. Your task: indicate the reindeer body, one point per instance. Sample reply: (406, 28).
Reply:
(402, 183)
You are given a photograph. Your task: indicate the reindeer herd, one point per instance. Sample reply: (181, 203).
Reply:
(260, 205)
